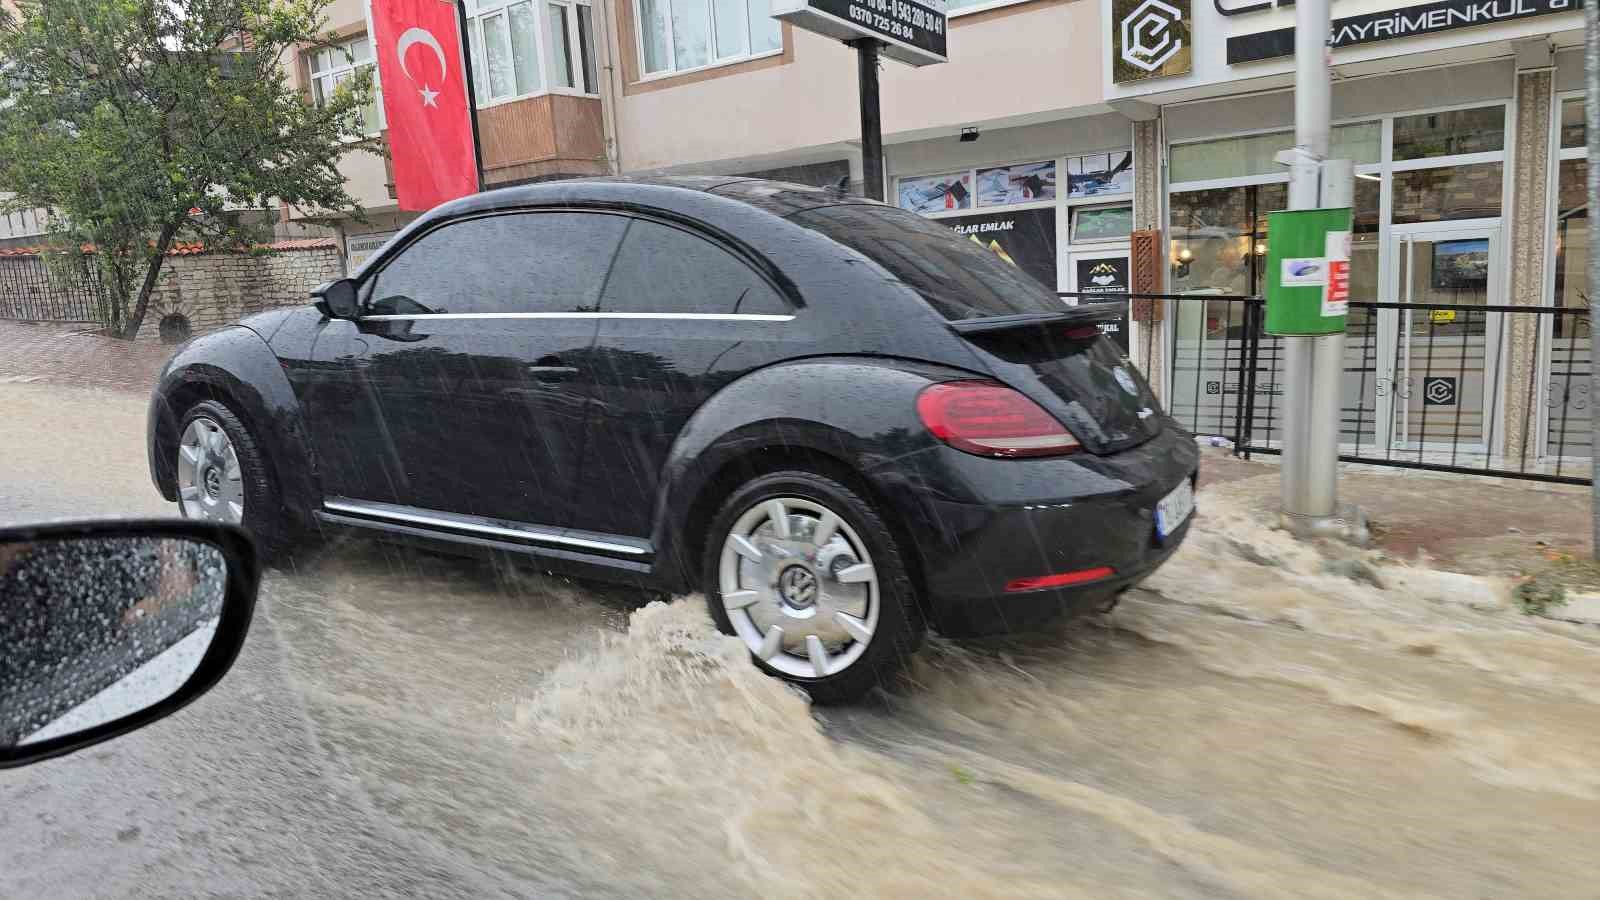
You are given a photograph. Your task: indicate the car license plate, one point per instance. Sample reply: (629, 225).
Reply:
(1174, 508)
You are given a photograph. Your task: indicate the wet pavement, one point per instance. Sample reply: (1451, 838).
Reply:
(1262, 719)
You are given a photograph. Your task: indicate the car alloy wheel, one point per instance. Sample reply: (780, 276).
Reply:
(210, 484)
(799, 587)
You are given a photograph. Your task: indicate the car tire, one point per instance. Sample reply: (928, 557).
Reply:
(264, 515)
(859, 570)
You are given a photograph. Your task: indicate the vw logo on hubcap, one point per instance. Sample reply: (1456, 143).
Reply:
(798, 587)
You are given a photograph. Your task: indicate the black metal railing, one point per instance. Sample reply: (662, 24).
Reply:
(1477, 389)
(31, 289)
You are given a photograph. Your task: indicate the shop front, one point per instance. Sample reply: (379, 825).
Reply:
(1460, 203)
(1058, 204)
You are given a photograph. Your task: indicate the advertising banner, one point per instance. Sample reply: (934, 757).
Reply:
(1106, 275)
(1308, 271)
(912, 30)
(1025, 238)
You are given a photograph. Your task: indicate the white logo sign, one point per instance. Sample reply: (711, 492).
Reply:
(426, 39)
(1148, 40)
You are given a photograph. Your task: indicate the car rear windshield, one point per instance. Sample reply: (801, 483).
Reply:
(959, 277)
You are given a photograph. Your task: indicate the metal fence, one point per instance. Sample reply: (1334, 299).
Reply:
(1478, 389)
(31, 290)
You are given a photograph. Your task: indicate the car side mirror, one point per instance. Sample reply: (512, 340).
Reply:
(337, 299)
(108, 626)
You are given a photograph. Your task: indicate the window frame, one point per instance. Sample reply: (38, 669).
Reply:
(758, 265)
(715, 63)
(754, 263)
(480, 10)
(347, 66)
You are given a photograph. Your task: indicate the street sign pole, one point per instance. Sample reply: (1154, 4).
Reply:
(871, 122)
(1314, 363)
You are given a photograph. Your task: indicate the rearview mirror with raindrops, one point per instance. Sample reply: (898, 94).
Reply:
(108, 626)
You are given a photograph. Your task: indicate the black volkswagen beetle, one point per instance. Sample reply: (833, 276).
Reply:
(837, 419)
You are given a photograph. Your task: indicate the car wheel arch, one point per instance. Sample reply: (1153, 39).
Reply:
(181, 389)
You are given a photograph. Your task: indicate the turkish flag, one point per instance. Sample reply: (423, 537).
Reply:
(425, 98)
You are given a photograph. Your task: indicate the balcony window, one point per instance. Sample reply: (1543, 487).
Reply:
(331, 67)
(509, 41)
(683, 35)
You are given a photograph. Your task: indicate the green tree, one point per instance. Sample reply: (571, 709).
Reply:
(138, 123)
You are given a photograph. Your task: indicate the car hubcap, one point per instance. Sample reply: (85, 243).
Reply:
(209, 482)
(799, 587)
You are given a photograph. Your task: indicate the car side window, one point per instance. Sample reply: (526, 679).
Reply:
(665, 269)
(511, 263)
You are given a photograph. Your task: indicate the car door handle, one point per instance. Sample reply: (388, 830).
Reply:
(552, 373)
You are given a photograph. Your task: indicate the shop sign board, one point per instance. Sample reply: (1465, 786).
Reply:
(1107, 275)
(1150, 39)
(1407, 21)
(1025, 238)
(912, 31)
(358, 248)
(1308, 271)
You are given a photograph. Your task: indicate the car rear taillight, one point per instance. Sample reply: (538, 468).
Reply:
(989, 419)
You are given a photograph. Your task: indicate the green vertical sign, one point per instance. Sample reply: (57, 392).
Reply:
(1308, 271)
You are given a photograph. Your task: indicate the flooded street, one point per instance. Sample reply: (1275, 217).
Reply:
(1260, 719)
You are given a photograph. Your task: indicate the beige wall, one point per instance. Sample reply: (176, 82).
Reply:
(1010, 66)
(365, 174)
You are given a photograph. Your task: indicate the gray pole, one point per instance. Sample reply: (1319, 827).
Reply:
(1314, 365)
(1591, 113)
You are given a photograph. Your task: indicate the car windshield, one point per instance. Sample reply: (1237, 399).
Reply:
(961, 277)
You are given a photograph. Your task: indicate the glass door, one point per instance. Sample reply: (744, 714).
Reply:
(1439, 352)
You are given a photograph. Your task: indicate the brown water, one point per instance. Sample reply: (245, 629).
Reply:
(1261, 719)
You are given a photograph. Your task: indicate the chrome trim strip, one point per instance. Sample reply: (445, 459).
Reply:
(688, 317)
(384, 512)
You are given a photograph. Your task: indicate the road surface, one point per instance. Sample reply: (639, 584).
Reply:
(1262, 720)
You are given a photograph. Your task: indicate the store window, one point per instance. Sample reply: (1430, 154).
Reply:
(1570, 338)
(1573, 132)
(1447, 193)
(507, 49)
(1101, 223)
(331, 67)
(1450, 133)
(682, 35)
(1242, 157)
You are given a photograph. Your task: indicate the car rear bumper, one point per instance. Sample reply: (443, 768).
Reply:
(1030, 518)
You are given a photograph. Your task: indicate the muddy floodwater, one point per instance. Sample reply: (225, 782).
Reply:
(1261, 719)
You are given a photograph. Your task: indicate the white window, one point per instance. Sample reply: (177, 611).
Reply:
(333, 66)
(682, 35)
(509, 40)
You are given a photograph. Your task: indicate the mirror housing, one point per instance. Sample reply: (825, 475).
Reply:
(337, 299)
(112, 625)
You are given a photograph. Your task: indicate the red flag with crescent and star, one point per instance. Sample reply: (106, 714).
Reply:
(418, 43)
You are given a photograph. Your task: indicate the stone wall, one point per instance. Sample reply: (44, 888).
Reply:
(195, 293)
(208, 291)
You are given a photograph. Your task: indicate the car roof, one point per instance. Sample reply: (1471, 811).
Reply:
(779, 198)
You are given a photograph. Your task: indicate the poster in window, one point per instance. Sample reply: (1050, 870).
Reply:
(1026, 239)
(1106, 275)
(1101, 223)
(936, 193)
(1017, 184)
(1461, 265)
(1100, 174)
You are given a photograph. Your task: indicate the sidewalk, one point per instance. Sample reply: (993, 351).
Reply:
(72, 354)
(1462, 523)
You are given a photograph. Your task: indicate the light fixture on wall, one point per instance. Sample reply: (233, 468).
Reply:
(1185, 257)
(1261, 248)
(969, 134)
